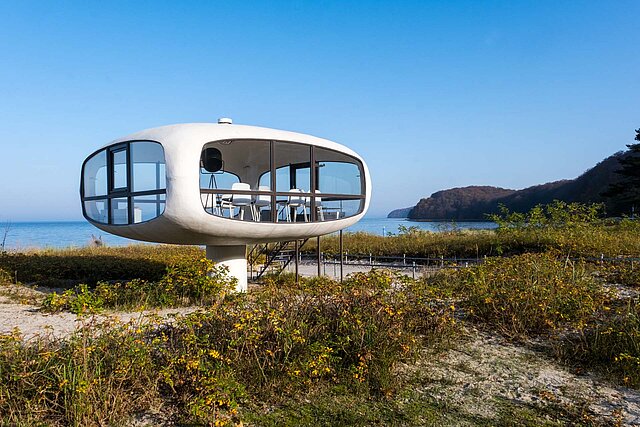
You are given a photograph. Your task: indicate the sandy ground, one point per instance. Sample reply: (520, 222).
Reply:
(32, 322)
(484, 372)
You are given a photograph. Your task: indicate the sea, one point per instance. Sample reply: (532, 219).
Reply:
(64, 234)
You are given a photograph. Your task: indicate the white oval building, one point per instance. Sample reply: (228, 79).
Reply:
(224, 186)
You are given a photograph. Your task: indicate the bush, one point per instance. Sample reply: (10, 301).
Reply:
(526, 294)
(100, 376)
(623, 272)
(292, 334)
(185, 283)
(67, 267)
(5, 277)
(275, 343)
(611, 345)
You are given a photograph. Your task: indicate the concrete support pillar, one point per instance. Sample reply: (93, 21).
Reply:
(234, 257)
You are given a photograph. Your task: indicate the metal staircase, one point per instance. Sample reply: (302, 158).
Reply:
(277, 256)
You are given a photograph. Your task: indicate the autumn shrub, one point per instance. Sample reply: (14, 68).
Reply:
(185, 283)
(101, 375)
(5, 277)
(526, 294)
(611, 345)
(622, 271)
(290, 337)
(282, 340)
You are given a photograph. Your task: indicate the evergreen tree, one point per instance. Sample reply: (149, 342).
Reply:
(624, 194)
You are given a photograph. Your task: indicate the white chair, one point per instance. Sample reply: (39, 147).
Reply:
(261, 201)
(294, 201)
(307, 203)
(241, 200)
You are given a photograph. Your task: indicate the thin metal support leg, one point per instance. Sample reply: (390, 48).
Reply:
(319, 257)
(341, 258)
(297, 254)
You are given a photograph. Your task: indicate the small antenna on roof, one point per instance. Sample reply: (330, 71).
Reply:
(225, 121)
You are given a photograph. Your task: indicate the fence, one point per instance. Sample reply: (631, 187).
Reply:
(331, 264)
(364, 262)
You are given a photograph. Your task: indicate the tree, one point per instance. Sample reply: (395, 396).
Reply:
(624, 194)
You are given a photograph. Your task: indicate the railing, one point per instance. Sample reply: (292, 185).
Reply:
(413, 265)
(416, 265)
(279, 256)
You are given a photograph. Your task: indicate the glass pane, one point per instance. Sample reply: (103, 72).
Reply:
(265, 182)
(292, 166)
(338, 173)
(217, 180)
(224, 163)
(119, 169)
(339, 178)
(95, 175)
(97, 210)
(148, 166)
(119, 211)
(332, 208)
(146, 208)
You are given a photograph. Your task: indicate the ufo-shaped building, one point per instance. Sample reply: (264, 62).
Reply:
(223, 186)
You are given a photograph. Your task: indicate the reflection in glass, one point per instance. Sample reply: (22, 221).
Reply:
(95, 175)
(97, 210)
(119, 159)
(335, 208)
(338, 173)
(148, 166)
(146, 208)
(120, 211)
(339, 178)
(292, 166)
(145, 160)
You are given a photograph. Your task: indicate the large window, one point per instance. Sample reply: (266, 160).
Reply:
(124, 183)
(274, 181)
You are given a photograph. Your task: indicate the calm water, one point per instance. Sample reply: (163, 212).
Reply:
(25, 235)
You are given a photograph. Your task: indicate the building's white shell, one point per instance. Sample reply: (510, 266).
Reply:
(185, 221)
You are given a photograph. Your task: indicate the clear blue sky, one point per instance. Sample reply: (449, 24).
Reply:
(432, 94)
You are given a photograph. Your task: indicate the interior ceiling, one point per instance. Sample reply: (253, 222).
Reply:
(240, 155)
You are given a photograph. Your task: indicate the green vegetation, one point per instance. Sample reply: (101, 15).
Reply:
(624, 194)
(611, 345)
(573, 230)
(526, 294)
(269, 345)
(185, 283)
(98, 376)
(322, 352)
(67, 267)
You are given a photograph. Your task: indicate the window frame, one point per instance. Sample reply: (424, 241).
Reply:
(119, 192)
